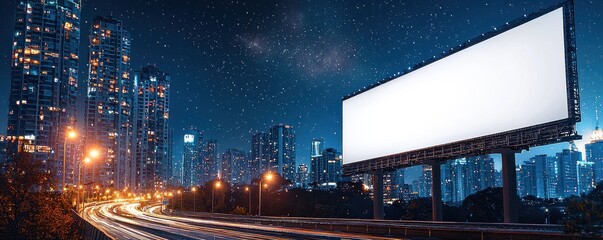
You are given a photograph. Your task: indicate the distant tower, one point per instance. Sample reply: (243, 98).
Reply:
(210, 165)
(44, 82)
(260, 154)
(234, 166)
(333, 162)
(317, 147)
(282, 151)
(191, 157)
(594, 151)
(109, 101)
(568, 175)
(151, 148)
(303, 176)
(586, 178)
(425, 182)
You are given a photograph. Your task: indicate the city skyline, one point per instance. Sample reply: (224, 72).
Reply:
(144, 119)
(260, 100)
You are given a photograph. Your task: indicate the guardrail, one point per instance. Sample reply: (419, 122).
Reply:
(440, 230)
(88, 230)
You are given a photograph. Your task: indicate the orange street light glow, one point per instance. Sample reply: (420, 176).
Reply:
(269, 176)
(71, 134)
(94, 153)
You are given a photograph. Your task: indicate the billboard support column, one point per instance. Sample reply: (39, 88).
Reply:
(436, 192)
(377, 195)
(509, 177)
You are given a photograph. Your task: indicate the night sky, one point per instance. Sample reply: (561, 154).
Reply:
(242, 66)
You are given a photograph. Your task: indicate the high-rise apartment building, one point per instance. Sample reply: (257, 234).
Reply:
(466, 176)
(317, 147)
(282, 151)
(425, 181)
(303, 176)
(334, 165)
(586, 177)
(151, 142)
(192, 157)
(568, 175)
(210, 164)
(260, 155)
(594, 153)
(318, 167)
(44, 81)
(235, 167)
(108, 107)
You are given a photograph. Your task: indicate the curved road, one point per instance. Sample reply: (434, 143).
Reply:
(128, 220)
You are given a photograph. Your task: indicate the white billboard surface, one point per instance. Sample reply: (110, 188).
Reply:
(513, 80)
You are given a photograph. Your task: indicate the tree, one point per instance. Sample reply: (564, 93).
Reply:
(29, 208)
(485, 206)
(584, 215)
(419, 209)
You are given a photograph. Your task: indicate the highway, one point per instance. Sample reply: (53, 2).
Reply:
(128, 220)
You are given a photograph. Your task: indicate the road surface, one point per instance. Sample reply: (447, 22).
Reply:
(128, 220)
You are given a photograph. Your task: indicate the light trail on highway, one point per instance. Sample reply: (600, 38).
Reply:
(128, 220)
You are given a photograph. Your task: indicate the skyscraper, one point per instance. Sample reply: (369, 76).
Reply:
(260, 154)
(545, 176)
(586, 178)
(210, 165)
(318, 167)
(234, 166)
(334, 165)
(191, 157)
(480, 173)
(317, 147)
(594, 153)
(108, 113)
(455, 182)
(282, 151)
(527, 175)
(568, 175)
(44, 78)
(465, 176)
(425, 181)
(303, 176)
(151, 142)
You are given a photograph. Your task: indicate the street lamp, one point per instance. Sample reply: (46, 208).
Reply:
(70, 135)
(93, 154)
(547, 216)
(180, 193)
(194, 199)
(217, 185)
(268, 177)
(248, 192)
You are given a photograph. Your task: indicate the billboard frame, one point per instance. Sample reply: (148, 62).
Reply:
(516, 140)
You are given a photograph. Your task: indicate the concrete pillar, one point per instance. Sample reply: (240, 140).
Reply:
(509, 177)
(436, 192)
(378, 195)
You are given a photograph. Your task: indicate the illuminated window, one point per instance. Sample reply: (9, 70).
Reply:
(68, 26)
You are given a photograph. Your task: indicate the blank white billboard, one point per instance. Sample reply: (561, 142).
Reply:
(513, 80)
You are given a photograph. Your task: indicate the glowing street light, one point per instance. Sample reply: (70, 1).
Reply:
(87, 160)
(180, 193)
(194, 199)
(248, 190)
(71, 134)
(268, 176)
(94, 153)
(217, 185)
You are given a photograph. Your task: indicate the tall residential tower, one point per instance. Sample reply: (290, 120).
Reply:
(151, 142)
(44, 77)
(108, 108)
